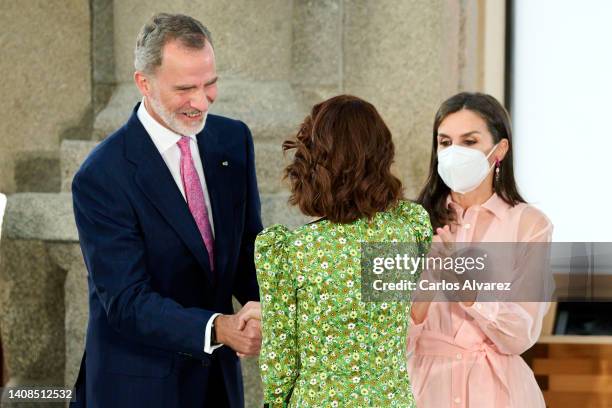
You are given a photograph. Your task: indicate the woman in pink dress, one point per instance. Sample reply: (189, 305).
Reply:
(467, 354)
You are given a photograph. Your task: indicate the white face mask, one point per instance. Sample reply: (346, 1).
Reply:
(463, 169)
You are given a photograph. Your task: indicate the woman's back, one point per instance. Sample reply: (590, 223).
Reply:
(322, 344)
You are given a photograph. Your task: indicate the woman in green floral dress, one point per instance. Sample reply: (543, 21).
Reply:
(322, 345)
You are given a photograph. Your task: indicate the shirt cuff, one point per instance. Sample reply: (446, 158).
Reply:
(414, 331)
(208, 348)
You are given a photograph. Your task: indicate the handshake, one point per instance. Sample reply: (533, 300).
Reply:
(241, 331)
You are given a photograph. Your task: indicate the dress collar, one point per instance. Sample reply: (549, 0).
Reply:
(494, 204)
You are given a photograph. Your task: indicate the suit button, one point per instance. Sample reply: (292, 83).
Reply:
(206, 363)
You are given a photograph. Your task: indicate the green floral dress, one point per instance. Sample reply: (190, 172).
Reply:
(323, 346)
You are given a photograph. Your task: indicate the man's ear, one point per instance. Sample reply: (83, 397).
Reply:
(143, 83)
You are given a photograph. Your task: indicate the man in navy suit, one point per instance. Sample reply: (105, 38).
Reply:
(167, 210)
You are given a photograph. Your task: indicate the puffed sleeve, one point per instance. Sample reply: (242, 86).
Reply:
(515, 326)
(279, 360)
(419, 221)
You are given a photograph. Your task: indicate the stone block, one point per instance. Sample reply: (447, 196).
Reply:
(117, 111)
(46, 75)
(270, 162)
(102, 39)
(273, 110)
(72, 155)
(2, 209)
(392, 58)
(275, 210)
(70, 259)
(37, 171)
(253, 394)
(41, 217)
(317, 43)
(31, 313)
(7, 171)
(247, 35)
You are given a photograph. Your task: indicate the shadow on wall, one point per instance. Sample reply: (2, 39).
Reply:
(2, 208)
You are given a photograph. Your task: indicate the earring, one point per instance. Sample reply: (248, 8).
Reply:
(497, 170)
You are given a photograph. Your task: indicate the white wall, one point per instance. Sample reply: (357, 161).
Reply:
(562, 112)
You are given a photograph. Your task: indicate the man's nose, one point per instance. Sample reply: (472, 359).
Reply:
(200, 101)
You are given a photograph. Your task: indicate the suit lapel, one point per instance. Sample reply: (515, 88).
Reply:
(212, 157)
(155, 180)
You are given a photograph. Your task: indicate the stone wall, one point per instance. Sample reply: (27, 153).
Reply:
(45, 88)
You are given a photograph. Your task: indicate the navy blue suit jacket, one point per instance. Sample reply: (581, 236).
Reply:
(151, 290)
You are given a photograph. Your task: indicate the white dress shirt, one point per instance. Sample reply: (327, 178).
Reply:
(166, 142)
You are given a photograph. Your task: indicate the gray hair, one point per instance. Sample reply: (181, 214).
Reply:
(162, 28)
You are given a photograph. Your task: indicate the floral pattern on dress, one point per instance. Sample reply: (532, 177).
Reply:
(322, 346)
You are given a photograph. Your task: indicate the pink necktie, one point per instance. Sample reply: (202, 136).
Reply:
(195, 196)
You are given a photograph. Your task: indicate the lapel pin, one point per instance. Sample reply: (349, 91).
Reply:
(225, 163)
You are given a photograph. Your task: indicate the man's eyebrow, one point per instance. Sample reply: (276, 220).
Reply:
(182, 87)
(185, 87)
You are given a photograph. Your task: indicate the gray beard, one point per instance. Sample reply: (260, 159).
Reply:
(173, 122)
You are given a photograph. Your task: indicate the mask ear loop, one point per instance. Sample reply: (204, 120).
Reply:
(492, 150)
(496, 165)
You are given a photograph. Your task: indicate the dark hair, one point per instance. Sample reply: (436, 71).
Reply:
(341, 169)
(164, 27)
(434, 194)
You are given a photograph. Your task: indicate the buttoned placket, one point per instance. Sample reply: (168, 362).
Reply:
(466, 223)
(466, 220)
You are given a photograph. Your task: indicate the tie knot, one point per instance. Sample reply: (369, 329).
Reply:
(183, 144)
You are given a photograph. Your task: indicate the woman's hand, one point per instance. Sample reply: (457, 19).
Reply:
(251, 310)
(418, 311)
(445, 235)
(443, 246)
(447, 239)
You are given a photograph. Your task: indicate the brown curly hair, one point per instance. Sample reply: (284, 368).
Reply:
(341, 168)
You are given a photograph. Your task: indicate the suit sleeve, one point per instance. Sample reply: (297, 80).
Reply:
(245, 284)
(114, 253)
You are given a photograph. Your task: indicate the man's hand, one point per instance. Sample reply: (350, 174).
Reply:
(251, 325)
(246, 342)
(251, 310)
